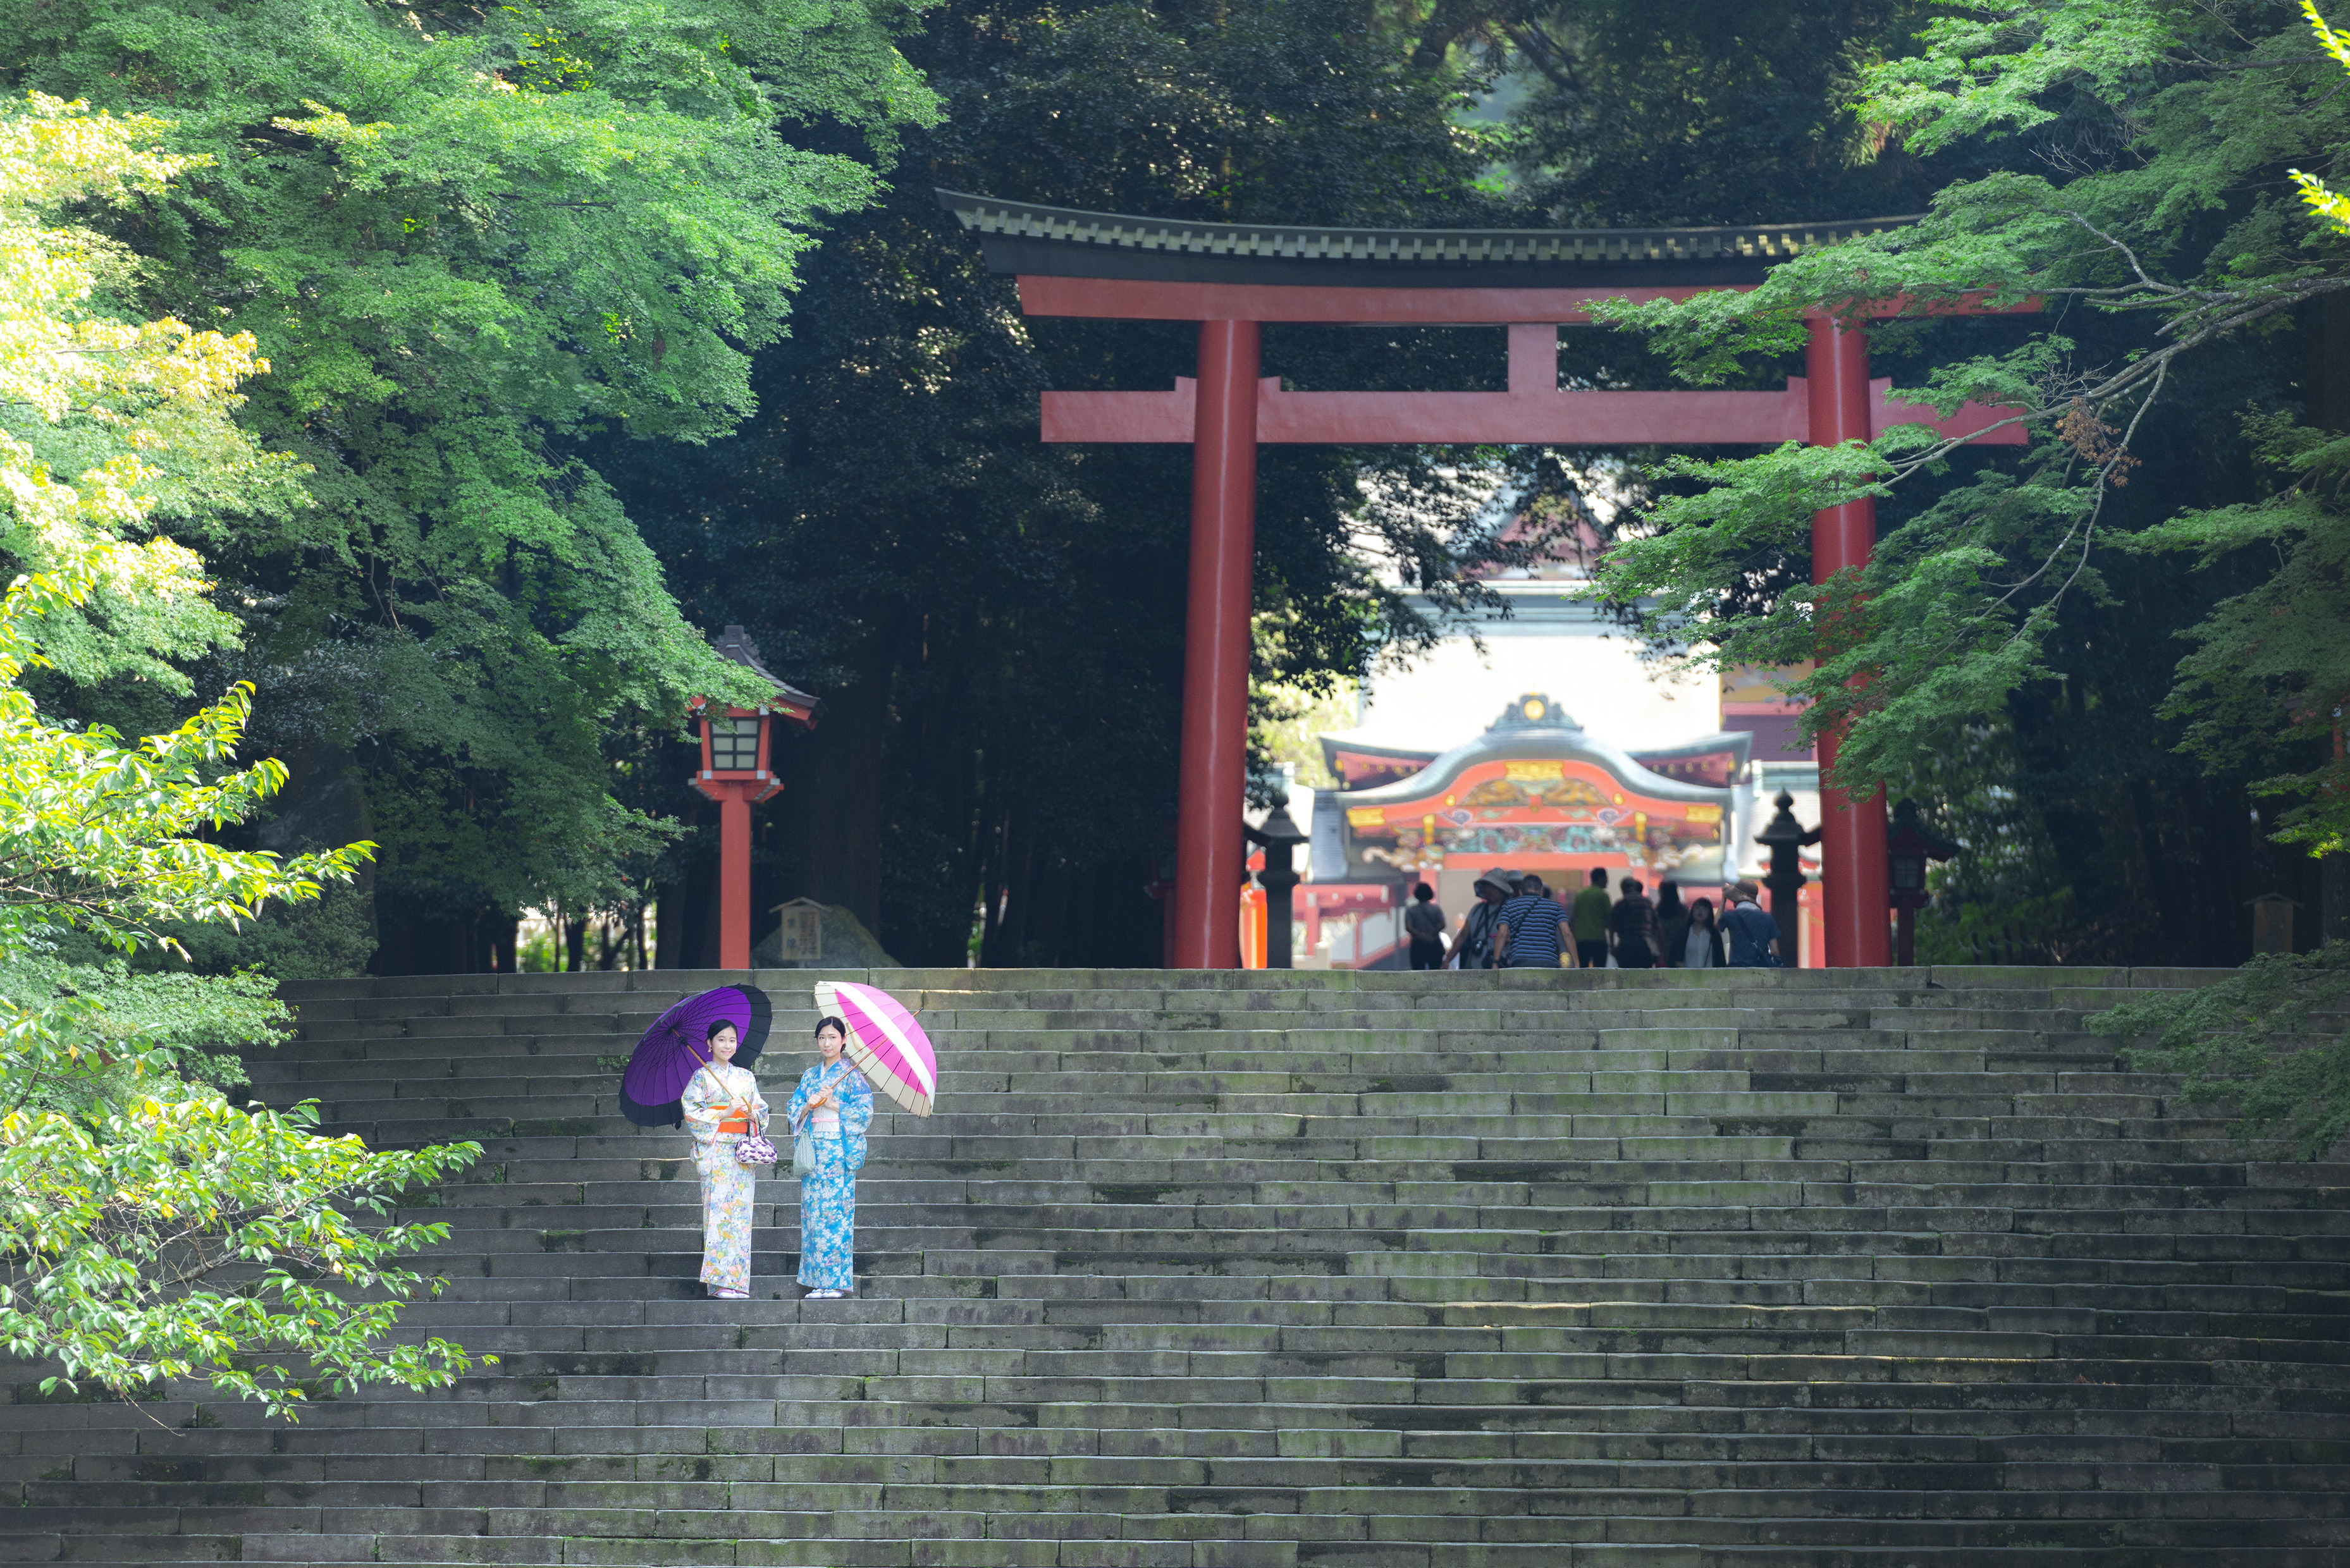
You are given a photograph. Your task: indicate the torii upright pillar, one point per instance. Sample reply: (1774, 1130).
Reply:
(1213, 775)
(1854, 872)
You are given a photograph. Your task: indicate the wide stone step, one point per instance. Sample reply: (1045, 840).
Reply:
(1575, 1268)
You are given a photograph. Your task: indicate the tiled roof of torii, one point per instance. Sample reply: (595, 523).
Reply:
(1023, 237)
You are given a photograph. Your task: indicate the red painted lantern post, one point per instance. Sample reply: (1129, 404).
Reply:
(738, 773)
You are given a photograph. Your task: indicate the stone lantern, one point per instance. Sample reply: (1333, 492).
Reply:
(1280, 836)
(1908, 847)
(1787, 839)
(738, 771)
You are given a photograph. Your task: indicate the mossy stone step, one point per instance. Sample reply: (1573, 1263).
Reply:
(1575, 1268)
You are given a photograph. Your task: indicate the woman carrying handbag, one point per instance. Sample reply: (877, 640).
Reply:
(727, 1117)
(829, 1112)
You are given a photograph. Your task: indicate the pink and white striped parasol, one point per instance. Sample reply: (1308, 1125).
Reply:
(887, 1046)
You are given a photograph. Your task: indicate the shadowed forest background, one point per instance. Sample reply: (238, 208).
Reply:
(470, 647)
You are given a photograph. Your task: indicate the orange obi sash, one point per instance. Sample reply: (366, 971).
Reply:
(737, 1125)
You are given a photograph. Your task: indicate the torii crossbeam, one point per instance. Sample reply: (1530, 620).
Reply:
(1233, 277)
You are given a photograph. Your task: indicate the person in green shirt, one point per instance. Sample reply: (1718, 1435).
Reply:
(1588, 919)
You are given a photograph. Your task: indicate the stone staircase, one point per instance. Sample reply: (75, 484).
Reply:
(1737, 1270)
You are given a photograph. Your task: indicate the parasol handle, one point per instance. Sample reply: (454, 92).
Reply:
(693, 1051)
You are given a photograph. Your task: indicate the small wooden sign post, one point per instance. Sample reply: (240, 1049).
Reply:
(800, 938)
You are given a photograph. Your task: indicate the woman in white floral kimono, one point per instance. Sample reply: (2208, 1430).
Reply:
(722, 1106)
(836, 1104)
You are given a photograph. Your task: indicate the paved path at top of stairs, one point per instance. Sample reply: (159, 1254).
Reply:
(1575, 1271)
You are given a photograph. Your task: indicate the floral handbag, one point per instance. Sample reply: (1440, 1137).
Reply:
(755, 1148)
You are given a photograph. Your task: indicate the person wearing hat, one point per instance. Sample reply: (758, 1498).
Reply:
(1472, 947)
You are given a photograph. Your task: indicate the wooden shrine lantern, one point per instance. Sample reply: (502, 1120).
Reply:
(738, 771)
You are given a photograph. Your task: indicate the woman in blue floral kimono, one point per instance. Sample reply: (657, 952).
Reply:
(835, 1104)
(722, 1106)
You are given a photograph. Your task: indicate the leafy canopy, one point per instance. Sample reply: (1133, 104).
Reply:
(2155, 216)
(472, 241)
(85, 394)
(148, 1230)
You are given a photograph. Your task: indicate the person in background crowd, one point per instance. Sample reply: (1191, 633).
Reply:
(1751, 936)
(1700, 944)
(1527, 936)
(1589, 921)
(1672, 920)
(1474, 947)
(1424, 924)
(1632, 929)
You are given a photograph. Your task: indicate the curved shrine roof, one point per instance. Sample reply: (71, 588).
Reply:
(1533, 791)
(1060, 242)
(1351, 761)
(1531, 727)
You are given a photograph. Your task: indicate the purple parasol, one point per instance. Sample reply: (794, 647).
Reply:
(665, 1060)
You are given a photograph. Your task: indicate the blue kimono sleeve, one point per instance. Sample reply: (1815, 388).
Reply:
(856, 1117)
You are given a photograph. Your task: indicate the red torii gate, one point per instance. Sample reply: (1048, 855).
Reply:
(1233, 277)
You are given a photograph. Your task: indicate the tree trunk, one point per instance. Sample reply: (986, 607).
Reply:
(668, 927)
(828, 821)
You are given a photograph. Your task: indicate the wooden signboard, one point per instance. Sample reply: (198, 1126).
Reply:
(801, 939)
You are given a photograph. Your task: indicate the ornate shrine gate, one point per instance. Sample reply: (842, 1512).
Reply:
(1233, 277)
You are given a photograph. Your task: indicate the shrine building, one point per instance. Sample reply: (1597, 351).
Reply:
(1534, 792)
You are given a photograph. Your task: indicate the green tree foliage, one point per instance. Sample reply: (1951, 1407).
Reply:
(465, 237)
(108, 426)
(2270, 669)
(2148, 206)
(996, 624)
(148, 1230)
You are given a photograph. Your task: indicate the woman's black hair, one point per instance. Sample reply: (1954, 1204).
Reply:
(716, 1024)
(824, 1023)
